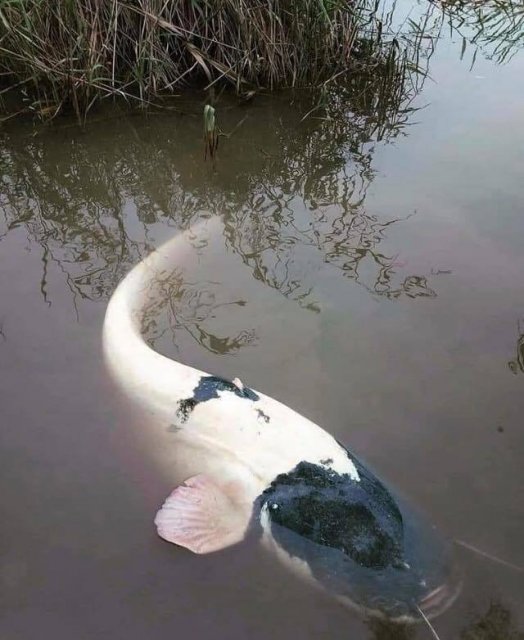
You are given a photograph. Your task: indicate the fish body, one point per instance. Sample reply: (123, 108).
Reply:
(265, 468)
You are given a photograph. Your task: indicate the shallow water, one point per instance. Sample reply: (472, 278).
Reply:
(373, 281)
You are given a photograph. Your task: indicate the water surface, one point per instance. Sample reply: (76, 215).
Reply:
(369, 273)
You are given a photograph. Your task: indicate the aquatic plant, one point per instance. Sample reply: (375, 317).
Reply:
(71, 54)
(210, 132)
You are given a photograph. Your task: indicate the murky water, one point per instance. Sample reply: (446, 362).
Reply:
(369, 273)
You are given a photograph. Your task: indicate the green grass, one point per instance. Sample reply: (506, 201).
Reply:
(72, 53)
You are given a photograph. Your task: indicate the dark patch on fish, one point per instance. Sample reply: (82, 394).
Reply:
(358, 539)
(360, 519)
(327, 461)
(185, 407)
(208, 388)
(263, 415)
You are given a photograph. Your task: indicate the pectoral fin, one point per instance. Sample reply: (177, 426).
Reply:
(201, 516)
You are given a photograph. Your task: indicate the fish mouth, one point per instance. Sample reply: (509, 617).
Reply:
(433, 599)
(432, 605)
(437, 601)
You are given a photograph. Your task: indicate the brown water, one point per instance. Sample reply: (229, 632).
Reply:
(373, 280)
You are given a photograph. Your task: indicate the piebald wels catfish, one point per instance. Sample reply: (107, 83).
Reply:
(268, 471)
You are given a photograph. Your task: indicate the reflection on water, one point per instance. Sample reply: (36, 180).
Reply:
(187, 306)
(338, 228)
(301, 189)
(496, 27)
(516, 365)
(81, 208)
(71, 207)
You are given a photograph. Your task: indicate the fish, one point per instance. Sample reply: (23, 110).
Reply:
(265, 471)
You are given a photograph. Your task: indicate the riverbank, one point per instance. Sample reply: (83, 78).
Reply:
(68, 56)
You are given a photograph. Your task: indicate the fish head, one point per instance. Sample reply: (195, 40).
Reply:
(369, 549)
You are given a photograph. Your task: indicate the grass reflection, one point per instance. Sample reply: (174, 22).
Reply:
(91, 201)
(496, 27)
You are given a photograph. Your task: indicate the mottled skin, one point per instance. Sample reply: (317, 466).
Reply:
(358, 541)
